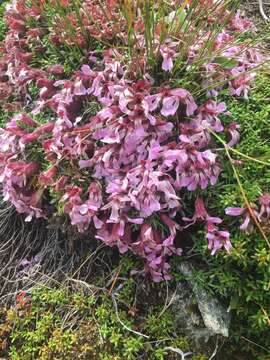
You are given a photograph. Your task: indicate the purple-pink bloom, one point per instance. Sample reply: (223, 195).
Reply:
(246, 226)
(264, 201)
(168, 53)
(201, 214)
(232, 129)
(169, 106)
(234, 211)
(218, 239)
(240, 23)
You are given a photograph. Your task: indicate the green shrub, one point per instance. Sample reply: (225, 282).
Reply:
(63, 324)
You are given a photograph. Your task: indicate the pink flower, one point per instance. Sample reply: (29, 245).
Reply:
(198, 171)
(208, 115)
(56, 69)
(152, 101)
(28, 138)
(201, 214)
(168, 53)
(264, 201)
(168, 243)
(247, 225)
(237, 211)
(167, 63)
(46, 178)
(169, 105)
(194, 134)
(174, 97)
(60, 184)
(118, 234)
(235, 136)
(16, 188)
(24, 119)
(79, 89)
(45, 129)
(47, 88)
(240, 23)
(240, 85)
(86, 70)
(95, 197)
(82, 213)
(218, 239)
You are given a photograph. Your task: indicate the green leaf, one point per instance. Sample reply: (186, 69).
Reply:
(225, 62)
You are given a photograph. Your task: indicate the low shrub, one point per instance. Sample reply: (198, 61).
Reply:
(124, 145)
(59, 323)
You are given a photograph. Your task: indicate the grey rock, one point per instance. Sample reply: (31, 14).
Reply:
(215, 318)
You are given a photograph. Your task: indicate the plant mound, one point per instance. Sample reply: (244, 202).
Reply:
(127, 142)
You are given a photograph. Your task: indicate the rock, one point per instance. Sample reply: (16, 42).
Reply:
(215, 317)
(198, 311)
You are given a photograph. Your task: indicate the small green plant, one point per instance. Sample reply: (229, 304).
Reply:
(60, 323)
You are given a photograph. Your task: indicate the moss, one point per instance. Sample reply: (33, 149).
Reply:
(61, 323)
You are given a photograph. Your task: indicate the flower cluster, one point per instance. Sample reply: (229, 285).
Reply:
(131, 154)
(17, 50)
(108, 23)
(216, 238)
(261, 212)
(125, 169)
